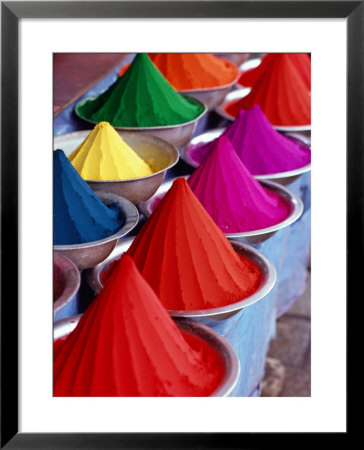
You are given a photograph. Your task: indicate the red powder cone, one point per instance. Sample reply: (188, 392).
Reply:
(232, 196)
(187, 259)
(300, 61)
(281, 92)
(126, 344)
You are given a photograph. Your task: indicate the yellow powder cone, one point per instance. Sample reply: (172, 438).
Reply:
(104, 155)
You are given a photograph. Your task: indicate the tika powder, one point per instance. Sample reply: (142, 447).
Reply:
(79, 216)
(104, 155)
(187, 259)
(142, 97)
(230, 194)
(127, 345)
(262, 149)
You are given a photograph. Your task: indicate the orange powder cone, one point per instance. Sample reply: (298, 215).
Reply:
(126, 344)
(281, 92)
(194, 70)
(187, 259)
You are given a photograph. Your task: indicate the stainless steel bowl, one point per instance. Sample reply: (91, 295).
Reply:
(267, 269)
(283, 178)
(92, 253)
(211, 97)
(250, 237)
(178, 135)
(235, 58)
(157, 153)
(243, 92)
(66, 281)
(249, 64)
(212, 338)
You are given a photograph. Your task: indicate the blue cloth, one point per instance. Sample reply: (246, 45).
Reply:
(250, 330)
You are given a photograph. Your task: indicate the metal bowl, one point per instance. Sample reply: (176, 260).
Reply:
(89, 254)
(250, 237)
(178, 135)
(249, 64)
(66, 281)
(243, 92)
(211, 97)
(235, 58)
(267, 269)
(283, 178)
(159, 154)
(221, 346)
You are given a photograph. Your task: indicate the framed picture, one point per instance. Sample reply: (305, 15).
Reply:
(31, 33)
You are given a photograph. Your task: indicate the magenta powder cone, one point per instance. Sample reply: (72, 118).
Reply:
(232, 196)
(262, 149)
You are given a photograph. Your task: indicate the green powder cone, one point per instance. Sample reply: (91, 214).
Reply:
(142, 97)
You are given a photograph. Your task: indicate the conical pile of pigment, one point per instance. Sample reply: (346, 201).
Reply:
(79, 216)
(186, 71)
(282, 93)
(126, 344)
(187, 259)
(230, 194)
(104, 155)
(262, 149)
(142, 97)
(300, 61)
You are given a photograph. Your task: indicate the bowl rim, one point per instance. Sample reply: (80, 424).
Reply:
(296, 206)
(266, 267)
(223, 348)
(70, 289)
(173, 149)
(132, 219)
(156, 127)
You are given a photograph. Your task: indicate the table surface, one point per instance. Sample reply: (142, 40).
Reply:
(75, 73)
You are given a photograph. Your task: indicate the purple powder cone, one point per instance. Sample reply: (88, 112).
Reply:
(262, 149)
(230, 194)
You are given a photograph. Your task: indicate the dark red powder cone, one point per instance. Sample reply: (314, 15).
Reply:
(126, 344)
(187, 259)
(281, 92)
(233, 198)
(300, 61)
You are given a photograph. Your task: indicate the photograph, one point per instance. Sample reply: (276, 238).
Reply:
(181, 208)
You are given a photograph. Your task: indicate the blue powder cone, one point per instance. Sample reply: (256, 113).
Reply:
(79, 216)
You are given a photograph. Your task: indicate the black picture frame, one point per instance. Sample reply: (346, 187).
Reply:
(11, 12)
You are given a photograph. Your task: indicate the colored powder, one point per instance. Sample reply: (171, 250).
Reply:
(300, 61)
(187, 71)
(142, 97)
(126, 344)
(79, 216)
(187, 259)
(261, 148)
(104, 155)
(281, 92)
(230, 194)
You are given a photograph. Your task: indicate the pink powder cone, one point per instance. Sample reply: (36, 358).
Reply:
(261, 148)
(230, 194)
